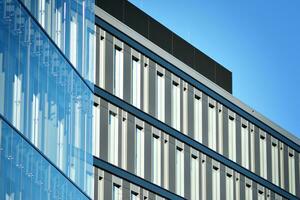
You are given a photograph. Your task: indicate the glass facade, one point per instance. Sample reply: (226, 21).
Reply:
(42, 95)
(26, 174)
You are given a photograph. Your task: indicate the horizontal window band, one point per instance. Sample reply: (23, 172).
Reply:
(132, 178)
(189, 141)
(178, 72)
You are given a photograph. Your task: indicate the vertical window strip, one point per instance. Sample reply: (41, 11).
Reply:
(139, 152)
(195, 186)
(118, 73)
(252, 135)
(160, 97)
(96, 130)
(113, 138)
(146, 88)
(231, 138)
(212, 127)
(176, 106)
(124, 143)
(291, 163)
(156, 160)
(102, 62)
(166, 164)
(215, 183)
(275, 164)
(136, 83)
(203, 178)
(248, 192)
(198, 119)
(245, 146)
(117, 192)
(229, 187)
(220, 130)
(185, 111)
(263, 156)
(179, 171)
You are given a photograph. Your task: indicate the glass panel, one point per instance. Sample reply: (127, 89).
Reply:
(42, 96)
(198, 119)
(156, 159)
(26, 174)
(118, 73)
(160, 97)
(212, 127)
(139, 152)
(176, 106)
(232, 139)
(136, 83)
(113, 138)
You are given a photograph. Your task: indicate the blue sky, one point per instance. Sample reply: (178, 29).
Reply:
(259, 41)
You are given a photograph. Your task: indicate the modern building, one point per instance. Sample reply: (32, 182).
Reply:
(100, 101)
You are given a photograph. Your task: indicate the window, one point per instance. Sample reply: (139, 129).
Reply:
(231, 138)
(118, 72)
(248, 192)
(17, 100)
(160, 97)
(156, 160)
(229, 187)
(176, 106)
(195, 186)
(198, 119)
(102, 62)
(252, 135)
(282, 165)
(146, 87)
(185, 110)
(292, 187)
(275, 163)
(215, 183)
(166, 164)
(212, 132)
(203, 178)
(101, 188)
(117, 192)
(245, 146)
(179, 171)
(113, 138)
(220, 129)
(124, 143)
(136, 82)
(96, 130)
(263, 156)
(139, 152)
(134, 196)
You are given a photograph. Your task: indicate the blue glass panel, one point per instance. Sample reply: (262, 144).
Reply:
(43, 96)
(26, 174)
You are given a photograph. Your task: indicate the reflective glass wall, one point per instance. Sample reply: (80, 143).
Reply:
(26, 174)
(70, 24)
(42, 96)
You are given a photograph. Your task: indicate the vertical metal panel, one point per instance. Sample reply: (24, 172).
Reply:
(187, 171)
(257, 150)
(225, 132)
(191, 111)
(172, 164)
(97, 64)
(297, 174)
(181, 86)
(108, 185)
(142, 62)
(222, 182)
(204, 119)
(96, 181)
(242, 187)
(104, 129)
(125, 189)
(168, 102)
(130, 143)
(109, 62)
(269, 158)
(148, 152)
(152, 87)
(127, 74)
(238, 139)
(209, 178)
(286, 167)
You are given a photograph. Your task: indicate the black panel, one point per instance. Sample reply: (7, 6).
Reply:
(183, 50)
(113, 7)
(205, 65)
(160, 35)
(223, 77)
(136, 19)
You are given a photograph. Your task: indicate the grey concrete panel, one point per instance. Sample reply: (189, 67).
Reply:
(108, 185)
(297, 174)
(172, 164)
(238, 126)
(187, 167)
(120, 119)
(104, 130)
(269, 157)
(148, 152)
(168, 106)
(126, 189)
(130, 144)
(152, 88)
(127, 74)
(190, 111)
(96, 181)
(257, 151)
(222, 182)
(109, 63)
(208, 178)
(242, 187)
(286, 167)
(205, 119)
(142, 82)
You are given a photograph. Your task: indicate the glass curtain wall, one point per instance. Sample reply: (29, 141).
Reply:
(43, 97)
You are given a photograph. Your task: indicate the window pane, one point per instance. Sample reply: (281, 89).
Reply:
(160, 97)
(113, 138)
(198, 119)
(136, 83)
(232, 139)
(139, 152)
(179, 172)
(176, 106)
(118, 73)
(156, 160)
(212, 129)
